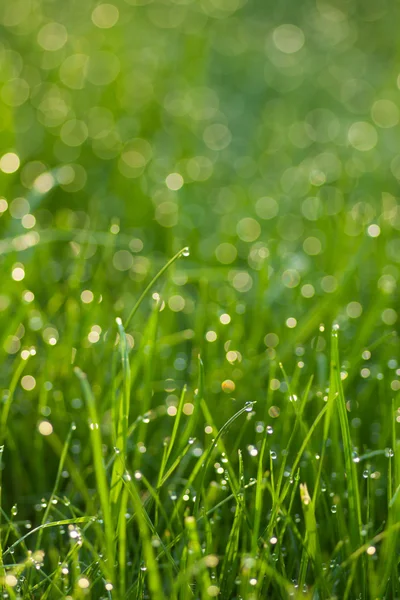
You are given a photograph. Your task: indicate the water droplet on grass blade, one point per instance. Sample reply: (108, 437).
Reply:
(186, 251)
(249, 406)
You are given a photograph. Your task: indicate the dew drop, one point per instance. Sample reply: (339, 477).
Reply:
(273, 540)
(186, 251)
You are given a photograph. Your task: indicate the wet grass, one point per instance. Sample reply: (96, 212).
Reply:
(221, 422)
(249, 478)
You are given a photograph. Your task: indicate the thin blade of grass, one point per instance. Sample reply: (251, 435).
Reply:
(99, 468)
(161, 272)
(335, 385)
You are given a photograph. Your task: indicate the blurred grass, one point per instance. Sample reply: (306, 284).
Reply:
(263, 137)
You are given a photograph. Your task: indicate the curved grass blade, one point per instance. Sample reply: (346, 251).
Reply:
(134, 310)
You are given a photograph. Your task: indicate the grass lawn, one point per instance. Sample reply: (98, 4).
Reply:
(199, 302)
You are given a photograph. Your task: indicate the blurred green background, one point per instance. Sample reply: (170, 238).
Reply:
(253, 132)
(263, 135)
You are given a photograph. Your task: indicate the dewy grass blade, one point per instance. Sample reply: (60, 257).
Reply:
(258, 502)
(311, 550)
(292, 437)
(232, 552)
(248, 406)
(389, 553)
(122, 423)
(196, 563)
(145, 391)
(56, 484)
(14, 381)
(197, 402)
(355, 520)
(76, 521)
(151, 565)
(172, 439)
(183, 252)
(99, 468)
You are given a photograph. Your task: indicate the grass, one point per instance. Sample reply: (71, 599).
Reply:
(199, 308)
(274, 501)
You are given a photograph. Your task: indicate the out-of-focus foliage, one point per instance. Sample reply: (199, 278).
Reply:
(258, 125)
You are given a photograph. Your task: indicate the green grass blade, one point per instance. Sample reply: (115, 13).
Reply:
(336, 387)
(135, 308)
(101, 480)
